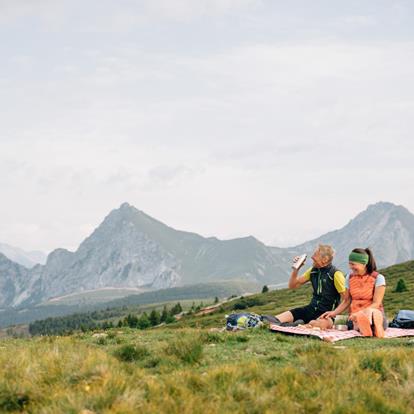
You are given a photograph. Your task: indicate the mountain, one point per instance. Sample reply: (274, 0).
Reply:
(15, 281)
(384, 227)
(22, 257)
(131, 250)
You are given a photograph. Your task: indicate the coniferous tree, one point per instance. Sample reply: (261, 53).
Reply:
(401, 286)
(144, 322)
(164, 314)
(154, 317)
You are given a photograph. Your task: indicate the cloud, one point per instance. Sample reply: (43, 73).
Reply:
(49, 12)
(184, 10)
(213, 116)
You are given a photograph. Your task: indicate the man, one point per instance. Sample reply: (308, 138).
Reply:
(328, 289)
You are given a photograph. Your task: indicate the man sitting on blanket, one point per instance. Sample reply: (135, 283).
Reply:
(328, 289)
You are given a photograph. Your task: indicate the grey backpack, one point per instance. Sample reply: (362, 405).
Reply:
(404, 320)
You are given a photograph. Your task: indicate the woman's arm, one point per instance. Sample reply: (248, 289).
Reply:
(378, 296)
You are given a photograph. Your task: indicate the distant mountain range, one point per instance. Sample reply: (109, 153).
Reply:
(20, 256)
(133, 250)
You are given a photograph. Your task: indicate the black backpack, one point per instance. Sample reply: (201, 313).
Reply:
(404, 320)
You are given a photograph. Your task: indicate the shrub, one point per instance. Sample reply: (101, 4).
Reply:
(240, 305)
(189, 351)
(245, 303)
(211, 338)
(11, 401)
(130, 353)
(101, 340)
(170, 319)
(111, 335)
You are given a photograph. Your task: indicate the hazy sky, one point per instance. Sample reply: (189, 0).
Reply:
(280, 119)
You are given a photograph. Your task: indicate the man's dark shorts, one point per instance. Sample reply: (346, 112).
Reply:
(306, 313)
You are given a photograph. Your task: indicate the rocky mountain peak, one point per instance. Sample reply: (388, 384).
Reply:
(130, 249)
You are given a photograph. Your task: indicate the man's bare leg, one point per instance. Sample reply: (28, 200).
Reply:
(285, 317)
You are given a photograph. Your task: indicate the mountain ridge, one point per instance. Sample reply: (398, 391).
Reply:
(130, 249)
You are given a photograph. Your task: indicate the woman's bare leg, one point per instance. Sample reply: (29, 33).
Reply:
(322, 323)
(378, 321)
(368, 313)
(363, 320)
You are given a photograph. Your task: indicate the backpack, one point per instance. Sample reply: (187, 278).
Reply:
(404, 319)
(237, 321)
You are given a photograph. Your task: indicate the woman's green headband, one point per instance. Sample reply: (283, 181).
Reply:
(362, 258)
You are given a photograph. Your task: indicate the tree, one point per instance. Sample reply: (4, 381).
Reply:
(144, 322)
(154, 317)
(265, 289)
(164, 314)
(401, 286)
(131, 321)
(176, 309)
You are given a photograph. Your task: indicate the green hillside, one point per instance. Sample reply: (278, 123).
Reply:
(192, 369)
(88, 302)
(276, 301)
(270, 303)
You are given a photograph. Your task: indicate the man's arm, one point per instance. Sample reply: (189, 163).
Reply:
(295, 281)
(343, 306)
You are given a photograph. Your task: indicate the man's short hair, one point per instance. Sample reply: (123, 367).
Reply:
(327, 251)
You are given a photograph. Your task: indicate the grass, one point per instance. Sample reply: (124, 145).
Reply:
(190, 370)
(187, 368)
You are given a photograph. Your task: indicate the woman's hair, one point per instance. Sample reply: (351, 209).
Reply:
(371, 265)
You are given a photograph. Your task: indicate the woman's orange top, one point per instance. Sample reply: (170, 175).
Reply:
(361, 289)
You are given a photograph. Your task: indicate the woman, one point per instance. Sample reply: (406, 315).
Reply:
(365, 289)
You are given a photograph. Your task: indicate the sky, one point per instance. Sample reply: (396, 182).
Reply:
(281, 120)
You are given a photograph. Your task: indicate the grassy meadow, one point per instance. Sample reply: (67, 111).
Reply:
(186, 367)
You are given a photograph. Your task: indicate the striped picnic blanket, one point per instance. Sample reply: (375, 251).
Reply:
(333, 335)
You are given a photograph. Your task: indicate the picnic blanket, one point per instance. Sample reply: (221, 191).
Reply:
(333, 335)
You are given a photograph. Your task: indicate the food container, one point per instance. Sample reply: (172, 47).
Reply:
(341, 327)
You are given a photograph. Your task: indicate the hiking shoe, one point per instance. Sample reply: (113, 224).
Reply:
(271, 319)
(364, 324)
(378, 321)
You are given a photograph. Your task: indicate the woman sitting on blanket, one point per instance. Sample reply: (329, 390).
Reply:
(365, 289)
